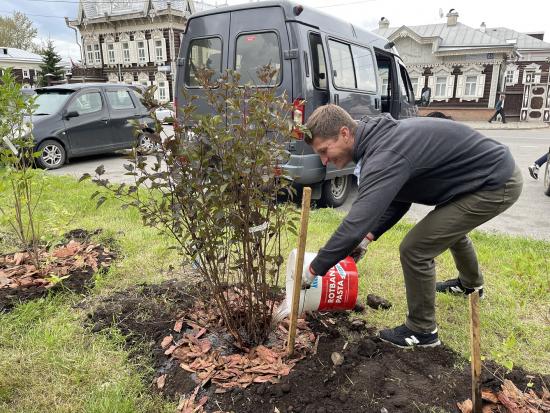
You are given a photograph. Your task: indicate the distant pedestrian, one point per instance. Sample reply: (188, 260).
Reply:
(534, 169)
(499, 110)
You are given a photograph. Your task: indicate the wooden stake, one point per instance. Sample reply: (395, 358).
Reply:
(476, 352)
(304, 217)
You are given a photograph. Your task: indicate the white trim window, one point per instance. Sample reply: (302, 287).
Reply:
(126, 53)
(111, 59)
(161, 93)
(511, 76)
(442, 83)
(97, 54)
(142, 57)
(471, 83)
(26, 73)
(440, 86)
(143, 79)
(158, 51)
(89, 54)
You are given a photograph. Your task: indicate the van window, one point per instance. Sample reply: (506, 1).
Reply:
(318, 61)
(342, 64)
(405, 85)
(255, 50)
(203, 53)
(364, 68)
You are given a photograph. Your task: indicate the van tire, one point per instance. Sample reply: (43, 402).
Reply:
(52, 155)
(335, 191)
(546, 181)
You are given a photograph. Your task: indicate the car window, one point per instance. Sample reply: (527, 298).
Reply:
(86, 103)
(318, 59)
(203, 53)
(120, 99)
(50, 102)
(364, 68)
(255, 50)
(342, 65)
(407, 94)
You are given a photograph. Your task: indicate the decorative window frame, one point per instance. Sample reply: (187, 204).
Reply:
(532, 69)
(511, 67)
(442, 71)
(143, 79)
(469, 71)
(93, 51)
(157, 35)
(124, 38)
(161, 77)
(26, 73)
(140, 37)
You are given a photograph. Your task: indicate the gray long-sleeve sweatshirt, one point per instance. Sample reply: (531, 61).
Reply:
(419, 160)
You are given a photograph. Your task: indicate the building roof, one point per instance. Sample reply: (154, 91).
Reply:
(450, 37)
(523, 40)
(20, 55)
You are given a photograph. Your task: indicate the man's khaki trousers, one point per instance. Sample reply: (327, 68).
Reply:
(446, 227)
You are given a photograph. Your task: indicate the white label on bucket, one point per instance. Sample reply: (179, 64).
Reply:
(341, 271)
(258, 228)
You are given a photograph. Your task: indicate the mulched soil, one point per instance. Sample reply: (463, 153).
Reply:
(74, 262)
(374, 375)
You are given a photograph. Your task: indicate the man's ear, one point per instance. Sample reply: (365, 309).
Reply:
(346, 133)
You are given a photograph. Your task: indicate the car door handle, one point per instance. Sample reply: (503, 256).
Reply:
(105, 120)
(376, 103)
(336, 99)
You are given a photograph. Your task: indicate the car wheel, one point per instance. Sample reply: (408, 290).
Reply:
(547, 178)
(335, 191)
(146, 145)
(52, 155)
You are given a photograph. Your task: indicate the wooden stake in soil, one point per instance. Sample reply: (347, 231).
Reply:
(476, 353)
(304, 217)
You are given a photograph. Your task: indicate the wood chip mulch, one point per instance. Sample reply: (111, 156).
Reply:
(202, 351)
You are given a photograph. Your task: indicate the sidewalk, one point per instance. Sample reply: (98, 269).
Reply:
(507, 125)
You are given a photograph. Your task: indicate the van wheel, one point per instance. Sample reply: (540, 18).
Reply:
(52, 155)
(547, 179)
(335, 191)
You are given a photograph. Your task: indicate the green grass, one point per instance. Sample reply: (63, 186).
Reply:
(50, 363)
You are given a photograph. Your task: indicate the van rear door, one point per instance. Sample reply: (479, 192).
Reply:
(205, 45)
(259, 36)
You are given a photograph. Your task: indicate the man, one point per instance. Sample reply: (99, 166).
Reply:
(499, 109)
(468, 177)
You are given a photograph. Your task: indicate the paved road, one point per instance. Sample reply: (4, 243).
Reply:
(530, 216)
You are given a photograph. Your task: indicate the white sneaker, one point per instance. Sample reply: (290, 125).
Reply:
(534, 171)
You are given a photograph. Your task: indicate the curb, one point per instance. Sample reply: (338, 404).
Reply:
(507, 126)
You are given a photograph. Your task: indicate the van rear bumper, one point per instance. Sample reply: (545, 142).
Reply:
(305, 169)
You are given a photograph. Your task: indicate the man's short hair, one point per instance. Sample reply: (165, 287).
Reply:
(325, 122)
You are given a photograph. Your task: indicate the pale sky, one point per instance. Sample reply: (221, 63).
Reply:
(47, 15)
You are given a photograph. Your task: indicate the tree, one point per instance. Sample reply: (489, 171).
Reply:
(50, 64)
(17, 31)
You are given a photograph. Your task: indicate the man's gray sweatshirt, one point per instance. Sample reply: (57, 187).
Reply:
(419, 160)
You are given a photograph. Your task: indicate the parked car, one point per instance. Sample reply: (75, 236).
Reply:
(321, 59)
(80, 119)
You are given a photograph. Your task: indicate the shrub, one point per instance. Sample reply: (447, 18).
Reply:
(213, 187)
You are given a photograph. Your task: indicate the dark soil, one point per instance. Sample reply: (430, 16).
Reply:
(79, 281)
(374, 375)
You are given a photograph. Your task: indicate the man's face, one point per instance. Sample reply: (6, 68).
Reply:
(338, 149)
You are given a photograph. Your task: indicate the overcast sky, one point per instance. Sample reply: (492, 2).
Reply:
(535, 16)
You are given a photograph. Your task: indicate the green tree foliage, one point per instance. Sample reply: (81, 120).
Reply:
(17, 31)
(50, 64)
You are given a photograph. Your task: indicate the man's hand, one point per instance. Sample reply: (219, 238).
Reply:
(307, 278)
(359, 252)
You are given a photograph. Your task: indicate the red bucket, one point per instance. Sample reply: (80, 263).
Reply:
(339, 287)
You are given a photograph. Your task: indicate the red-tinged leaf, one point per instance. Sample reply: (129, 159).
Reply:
(186, 367)
(489, 408)
(178, 326)
(263, 379)
(205, 345)
(489, 396)
(466, 406)
(202, 401)
(201, 332)
(166, 341)
(170, 350)
(161, 380)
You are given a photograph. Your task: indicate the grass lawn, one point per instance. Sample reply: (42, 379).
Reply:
(50, 363)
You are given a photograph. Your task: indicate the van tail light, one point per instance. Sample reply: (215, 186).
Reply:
(299, 112)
